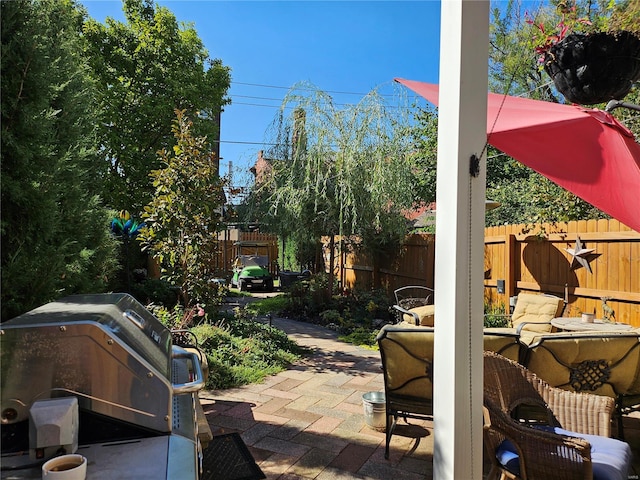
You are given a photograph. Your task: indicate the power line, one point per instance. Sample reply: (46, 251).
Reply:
(306, 89)
(295, 106)
(244, 143)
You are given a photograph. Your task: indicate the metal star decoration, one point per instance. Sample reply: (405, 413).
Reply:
(580, 254)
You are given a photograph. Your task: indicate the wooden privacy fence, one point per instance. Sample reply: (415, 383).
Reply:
(517, 258)
(228, 248)
(412, 265)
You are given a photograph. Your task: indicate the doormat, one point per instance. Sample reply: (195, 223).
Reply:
(228, 458)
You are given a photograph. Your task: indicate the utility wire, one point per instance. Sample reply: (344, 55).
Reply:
(296, 106)
(302, 88)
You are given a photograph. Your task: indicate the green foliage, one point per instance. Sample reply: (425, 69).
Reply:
(513, 66)
(242, 351)
(362, 337)
(626, 16)
(331, 316)
(345, 312)
(495, 315)
(338, 171)
(55, 237)
(300, 251)
(156, 291)
(535, 199)
(268, 305)
(146, 68)
(309, 302)
(183, 217)
(545, 34)
(178, 317)
(424, 135)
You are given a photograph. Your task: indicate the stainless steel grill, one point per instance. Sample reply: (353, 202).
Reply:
(131, 384)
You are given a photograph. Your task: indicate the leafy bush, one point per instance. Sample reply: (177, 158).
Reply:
(241, 351)
(269, 305)
(494, 315)
(362, 337)
(178, 316)
(180, 219)
(350, 310)
(331, 316)
(156, 291)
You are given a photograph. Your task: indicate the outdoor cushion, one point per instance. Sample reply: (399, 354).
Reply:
(601, 363)
(536, 309)
(506, 344)
(610, 458)
(425, 314)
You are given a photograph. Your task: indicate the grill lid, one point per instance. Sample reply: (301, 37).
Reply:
(107, 350)
(118, 313)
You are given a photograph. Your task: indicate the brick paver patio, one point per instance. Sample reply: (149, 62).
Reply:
(307, 422)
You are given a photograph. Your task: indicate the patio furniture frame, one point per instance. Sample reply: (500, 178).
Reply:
(408, 297)
(605, 363)
(407, 365)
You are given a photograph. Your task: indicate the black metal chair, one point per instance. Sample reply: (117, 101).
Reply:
(407, 364)
(410, 297)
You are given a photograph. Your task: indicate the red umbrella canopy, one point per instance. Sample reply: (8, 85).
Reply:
(584, 150)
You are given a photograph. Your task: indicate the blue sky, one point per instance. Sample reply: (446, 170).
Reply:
(270, 46)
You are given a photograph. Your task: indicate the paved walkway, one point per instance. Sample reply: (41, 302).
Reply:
(307, 422)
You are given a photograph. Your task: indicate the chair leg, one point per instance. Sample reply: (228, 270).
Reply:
(620, 422)
(392, 419)
(493, 473)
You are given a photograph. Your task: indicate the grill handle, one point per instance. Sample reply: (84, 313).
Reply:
(198, 381)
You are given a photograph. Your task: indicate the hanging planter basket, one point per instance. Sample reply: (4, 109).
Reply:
(594, 68)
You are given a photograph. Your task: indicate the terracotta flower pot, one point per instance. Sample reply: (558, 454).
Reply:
(594, 68)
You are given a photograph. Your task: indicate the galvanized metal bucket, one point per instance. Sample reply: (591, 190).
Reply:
(373, 404)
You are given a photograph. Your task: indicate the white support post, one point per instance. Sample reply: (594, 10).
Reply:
(459, 261)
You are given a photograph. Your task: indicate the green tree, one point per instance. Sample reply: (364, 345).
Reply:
(514, 69)
(340, 171)
(145, 69)
(183, 218)
(55, 237)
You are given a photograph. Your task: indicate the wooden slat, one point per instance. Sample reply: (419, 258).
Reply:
(533, 263)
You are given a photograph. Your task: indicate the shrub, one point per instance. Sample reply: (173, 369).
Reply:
(156, 291)
(494, 315)
(362, 337)
(177, 317)
(241, 351)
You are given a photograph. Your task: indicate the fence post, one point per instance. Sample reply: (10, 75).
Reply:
(509, 261)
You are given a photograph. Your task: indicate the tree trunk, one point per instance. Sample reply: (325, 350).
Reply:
(332, 256)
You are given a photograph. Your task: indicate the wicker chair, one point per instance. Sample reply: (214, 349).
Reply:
(525, 422)
(414, 304)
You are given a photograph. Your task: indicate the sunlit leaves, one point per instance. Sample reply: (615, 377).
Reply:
(183, 217)
(340, 169)
(146, 68)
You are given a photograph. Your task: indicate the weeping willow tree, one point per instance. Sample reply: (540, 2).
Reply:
(341, 170)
